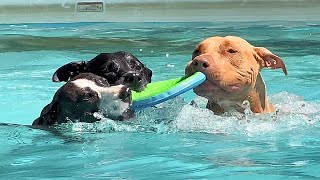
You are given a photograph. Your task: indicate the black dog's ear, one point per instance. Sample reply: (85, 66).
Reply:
(47, 119)
(70, 70)
(48, 116)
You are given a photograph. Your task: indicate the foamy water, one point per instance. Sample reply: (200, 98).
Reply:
(293, 114)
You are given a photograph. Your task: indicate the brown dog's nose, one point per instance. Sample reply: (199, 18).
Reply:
(201, 63)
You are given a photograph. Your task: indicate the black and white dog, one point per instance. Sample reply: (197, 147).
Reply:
(81, 98)
(101, 85)
(118, 68)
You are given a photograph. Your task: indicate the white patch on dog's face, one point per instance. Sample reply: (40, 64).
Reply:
(110, 103)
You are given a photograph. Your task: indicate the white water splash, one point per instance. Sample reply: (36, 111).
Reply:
(293, 113)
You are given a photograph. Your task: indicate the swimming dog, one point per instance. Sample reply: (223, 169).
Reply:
(118, 68)
(232, 67)
(82, 97)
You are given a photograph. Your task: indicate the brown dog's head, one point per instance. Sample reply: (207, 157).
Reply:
(232, 67)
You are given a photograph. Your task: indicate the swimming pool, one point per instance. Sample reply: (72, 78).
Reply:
(176, 140)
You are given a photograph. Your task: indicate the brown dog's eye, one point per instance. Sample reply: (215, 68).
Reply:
(232, 51)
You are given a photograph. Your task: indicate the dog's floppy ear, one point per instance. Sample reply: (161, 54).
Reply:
(68, 71)
(267, 59)
(48, 116)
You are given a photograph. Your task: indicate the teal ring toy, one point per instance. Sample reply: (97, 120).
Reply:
(161, 91)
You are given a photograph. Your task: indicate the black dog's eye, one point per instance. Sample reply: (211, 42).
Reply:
(232, 51)
(138, 68)
(132, 62)
(113, 67)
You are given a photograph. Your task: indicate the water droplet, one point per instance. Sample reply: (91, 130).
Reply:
(170, 65)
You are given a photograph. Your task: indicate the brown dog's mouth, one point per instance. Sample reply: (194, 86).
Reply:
(220, 85)
(211, 84)
(233, 87)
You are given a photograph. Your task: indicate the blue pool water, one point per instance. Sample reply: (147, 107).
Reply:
(175, 140)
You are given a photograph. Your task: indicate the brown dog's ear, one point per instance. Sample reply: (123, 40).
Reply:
(269, 60)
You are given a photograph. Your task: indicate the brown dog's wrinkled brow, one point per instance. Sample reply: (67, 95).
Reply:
(229, 44)
(197, 51)
(225, 45)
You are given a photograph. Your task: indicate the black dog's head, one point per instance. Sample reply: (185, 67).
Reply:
(118, 68)
(82, 97)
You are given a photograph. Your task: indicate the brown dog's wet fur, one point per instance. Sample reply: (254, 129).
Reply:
(232, 67)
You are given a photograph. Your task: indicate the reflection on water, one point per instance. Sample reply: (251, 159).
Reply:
(157, 37)
(175, 140)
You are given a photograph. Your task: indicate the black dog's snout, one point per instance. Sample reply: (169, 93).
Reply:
(125, 94)
(133, 78)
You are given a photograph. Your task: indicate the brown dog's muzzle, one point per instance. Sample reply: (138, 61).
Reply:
(198, 64)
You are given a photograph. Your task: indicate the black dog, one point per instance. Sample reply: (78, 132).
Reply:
(118, 68)
(81, 98)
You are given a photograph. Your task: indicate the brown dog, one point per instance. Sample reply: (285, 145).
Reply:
(232, 67)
